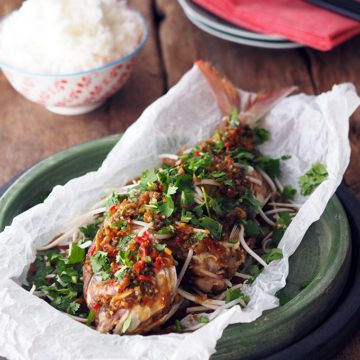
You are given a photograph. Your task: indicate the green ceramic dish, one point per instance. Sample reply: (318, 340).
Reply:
(318, 270)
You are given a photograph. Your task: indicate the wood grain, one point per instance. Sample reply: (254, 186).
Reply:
(250, 68)
(30, 133)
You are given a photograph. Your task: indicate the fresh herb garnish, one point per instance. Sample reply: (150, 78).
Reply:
(187, 199)
(148, 177)
(110, 201)
(59, 280)
(167, 207)
(171, 190)
(160, 247)
(281, 225)
(119, 275)
(73, 308)
(90, 317)
(269, 165)
(254, 271)
(288, 192)
(89, 231)
(199, 236)
(252, 228)
(213, 226)
(273, 254)
(100, 262)
(203, 319)
(123, 257)
(313, 178)
(76, 255)
(232, 294)
(261, 135)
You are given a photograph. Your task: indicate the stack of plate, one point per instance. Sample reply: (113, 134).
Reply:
(227, 31)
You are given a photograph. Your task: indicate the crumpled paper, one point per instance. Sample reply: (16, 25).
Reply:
(309, 128)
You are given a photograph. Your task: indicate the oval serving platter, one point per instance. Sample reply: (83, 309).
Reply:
(318, 269)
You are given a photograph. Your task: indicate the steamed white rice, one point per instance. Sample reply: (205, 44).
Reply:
(66, 36)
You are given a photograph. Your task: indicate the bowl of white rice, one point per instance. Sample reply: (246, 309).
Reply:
(70, 56)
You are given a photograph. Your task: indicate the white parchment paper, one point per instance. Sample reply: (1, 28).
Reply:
(308, 128)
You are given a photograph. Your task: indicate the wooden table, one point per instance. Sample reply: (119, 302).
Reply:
(29, 133)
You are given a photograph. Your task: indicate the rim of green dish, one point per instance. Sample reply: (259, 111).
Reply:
(337, 261)
(337, 256)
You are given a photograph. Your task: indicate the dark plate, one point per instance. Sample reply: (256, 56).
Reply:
(318, 270)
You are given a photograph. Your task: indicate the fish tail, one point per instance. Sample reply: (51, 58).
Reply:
(226, 93)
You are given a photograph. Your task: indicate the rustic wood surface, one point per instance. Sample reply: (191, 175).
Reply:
(29, 133)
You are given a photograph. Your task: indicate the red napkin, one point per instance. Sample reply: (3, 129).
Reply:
(292, 19)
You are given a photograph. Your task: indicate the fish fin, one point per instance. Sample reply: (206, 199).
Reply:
(226, 93)
(256, 108)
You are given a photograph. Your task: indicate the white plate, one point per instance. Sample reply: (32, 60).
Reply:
(199, 14)
(242, 40)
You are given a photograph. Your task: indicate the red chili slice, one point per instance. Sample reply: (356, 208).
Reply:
(112, 210)
(92, 250)
(139, 266)
(113, 253)
(144, 278)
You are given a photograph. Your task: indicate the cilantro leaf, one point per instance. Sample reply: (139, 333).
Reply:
(252, 228)
(254, 271)
(124, 257)
(171, 190)
(232, 294)
(199, 236)
(99, 262)
(187, 199)
(167, 230)
(168, 207)
(213, 226)
(160, 247)
(125, 240)
(313, 178)
(148, 176)
(249, 201)
(216, 206)
(112, 200)
(241, 155)
(197, 164)
(273, 254)
(76, 255)
(121, 273)
(288, 192)
(73, 308)
(89, 231)
(183, 181)
(281, 225)
(261, 135)
(203, 319)
(269, 165)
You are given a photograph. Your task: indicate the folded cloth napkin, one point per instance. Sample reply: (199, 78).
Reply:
(293, 19)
